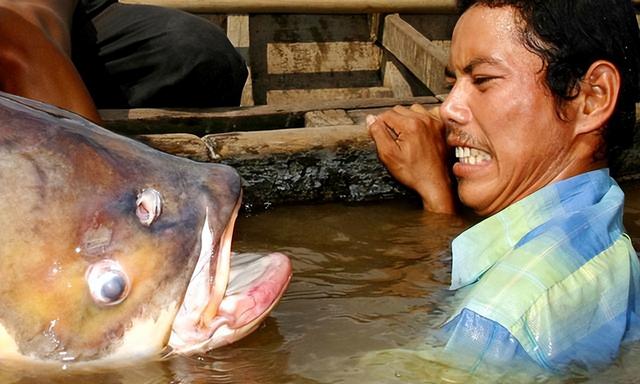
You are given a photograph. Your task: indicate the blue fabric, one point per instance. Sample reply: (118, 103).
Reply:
(551, 278)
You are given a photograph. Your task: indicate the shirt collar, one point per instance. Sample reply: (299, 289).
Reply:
(478, 248)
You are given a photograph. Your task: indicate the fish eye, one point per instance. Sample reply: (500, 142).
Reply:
(148, 206)
(108, 283)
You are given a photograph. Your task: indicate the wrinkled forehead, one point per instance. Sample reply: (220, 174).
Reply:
(491, 35)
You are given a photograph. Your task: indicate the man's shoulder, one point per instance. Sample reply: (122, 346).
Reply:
(549, 296)
(550, 265)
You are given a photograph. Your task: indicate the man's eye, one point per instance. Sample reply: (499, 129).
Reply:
(449, 81)
(482, 79)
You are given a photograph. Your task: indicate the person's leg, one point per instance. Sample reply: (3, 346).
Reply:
(146, 56)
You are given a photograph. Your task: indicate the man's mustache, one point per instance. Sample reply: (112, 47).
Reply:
(460, 135)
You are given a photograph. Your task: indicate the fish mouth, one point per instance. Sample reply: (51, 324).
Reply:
(228, 294)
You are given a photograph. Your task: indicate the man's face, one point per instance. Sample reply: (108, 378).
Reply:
(509, 140)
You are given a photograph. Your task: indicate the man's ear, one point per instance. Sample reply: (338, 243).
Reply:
(598, 95)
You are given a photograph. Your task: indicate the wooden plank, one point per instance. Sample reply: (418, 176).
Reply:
(316, 57)
(215, 120)
(350, 79)
(267, 29)
(306, 165)
(421, 56)
(300, 28)
(249, 145)
(111, 115)
(179, 144)
(289, 96)
(418, 88)
(326, 118)
(393, 79)
(305, 6)
(238, 30)
(238, 34)
(246, 99)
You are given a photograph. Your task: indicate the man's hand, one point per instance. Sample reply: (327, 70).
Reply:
(411, 144)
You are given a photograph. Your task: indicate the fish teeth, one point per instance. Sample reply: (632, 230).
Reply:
(471, 156)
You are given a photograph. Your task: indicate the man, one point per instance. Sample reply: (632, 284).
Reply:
(72, 52)
(540, 92)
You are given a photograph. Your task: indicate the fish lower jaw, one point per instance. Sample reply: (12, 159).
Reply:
(186, 340)
(220, 331)
(226, 331)
(257, 283)
(471, 156)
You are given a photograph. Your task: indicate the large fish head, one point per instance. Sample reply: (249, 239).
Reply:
(112, 250)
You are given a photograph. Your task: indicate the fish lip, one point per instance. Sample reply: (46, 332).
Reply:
(202, 298)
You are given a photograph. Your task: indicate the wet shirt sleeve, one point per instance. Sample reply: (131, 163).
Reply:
(474, 341)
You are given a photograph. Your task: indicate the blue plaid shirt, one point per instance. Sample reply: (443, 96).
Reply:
(552, 278)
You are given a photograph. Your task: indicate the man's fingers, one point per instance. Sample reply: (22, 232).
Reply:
(381, 133)
(404, 111)
(433, 112)
(419, 108)
(370, 120)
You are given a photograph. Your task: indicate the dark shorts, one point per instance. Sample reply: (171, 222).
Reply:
(147, 56)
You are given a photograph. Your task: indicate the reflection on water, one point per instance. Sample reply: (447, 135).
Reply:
(369, 281)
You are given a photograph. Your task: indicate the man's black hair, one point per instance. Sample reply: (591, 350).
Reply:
(569, 36)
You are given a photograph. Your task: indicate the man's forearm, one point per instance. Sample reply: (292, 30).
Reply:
(53, 17)
(35, 65)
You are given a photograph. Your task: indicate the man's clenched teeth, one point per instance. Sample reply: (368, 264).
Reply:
(471, 156)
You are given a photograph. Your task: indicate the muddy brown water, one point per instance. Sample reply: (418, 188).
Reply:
(369, 282)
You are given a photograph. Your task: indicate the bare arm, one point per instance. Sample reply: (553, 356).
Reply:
(411, 144)
(53, 17)
(34, 55)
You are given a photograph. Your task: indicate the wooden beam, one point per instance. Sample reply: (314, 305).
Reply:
(216, 120)
(305, 6)
(421, 56)
(250, 145)
(326, 118)
(392, 78)
(339, 56)
(317, 164)
(179, 144)
(304, 31)
(281, 97)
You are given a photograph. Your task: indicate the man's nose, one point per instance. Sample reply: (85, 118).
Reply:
(455, 109)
